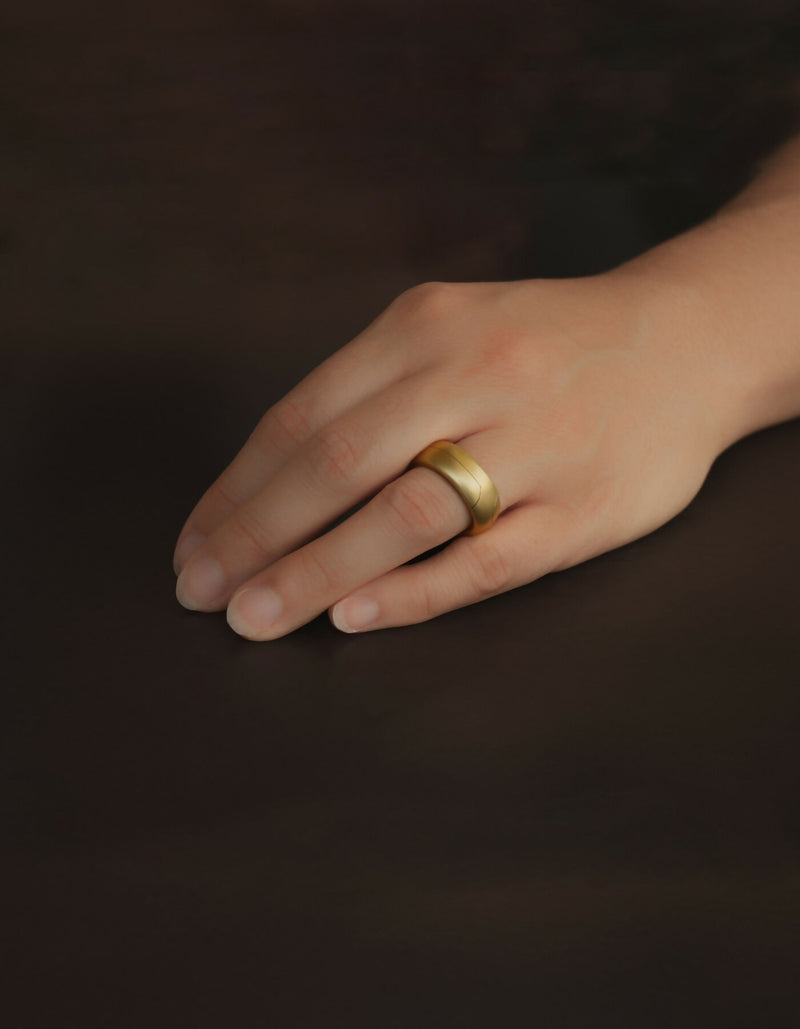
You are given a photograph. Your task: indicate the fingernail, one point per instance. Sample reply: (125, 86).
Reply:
(253, 611)
(354, 613)
(185, 548)
(200, 583)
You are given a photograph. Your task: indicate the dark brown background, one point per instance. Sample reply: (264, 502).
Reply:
(571, 805)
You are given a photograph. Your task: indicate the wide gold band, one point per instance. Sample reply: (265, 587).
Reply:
(477, 490)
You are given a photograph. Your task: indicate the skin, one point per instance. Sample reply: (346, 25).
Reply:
(597, 405)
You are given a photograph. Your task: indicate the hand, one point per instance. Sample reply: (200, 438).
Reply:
(592, 422)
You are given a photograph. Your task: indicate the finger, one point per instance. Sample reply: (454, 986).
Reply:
(344, 464)
(365, 366)
(523, 544)
(411, 515)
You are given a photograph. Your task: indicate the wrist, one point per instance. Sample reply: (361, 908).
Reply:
(721, 301)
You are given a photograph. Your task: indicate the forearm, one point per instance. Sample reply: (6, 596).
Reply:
(725, 297)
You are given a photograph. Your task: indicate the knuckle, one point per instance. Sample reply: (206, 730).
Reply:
(415, 510)
(427, 300)
(425, 605)
(247, 529)
(335, 456)
(313, 575)
(508, 353)
(285, 426)
(489, 570)
(222, 491)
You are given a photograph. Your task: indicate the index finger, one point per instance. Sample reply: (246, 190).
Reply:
(363, 367)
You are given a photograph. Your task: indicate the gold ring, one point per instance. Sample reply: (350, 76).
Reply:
(474, 486)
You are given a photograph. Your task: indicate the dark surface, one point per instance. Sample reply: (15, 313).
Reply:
(575, 804)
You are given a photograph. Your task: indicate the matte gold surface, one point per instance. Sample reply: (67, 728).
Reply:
(464, 473)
